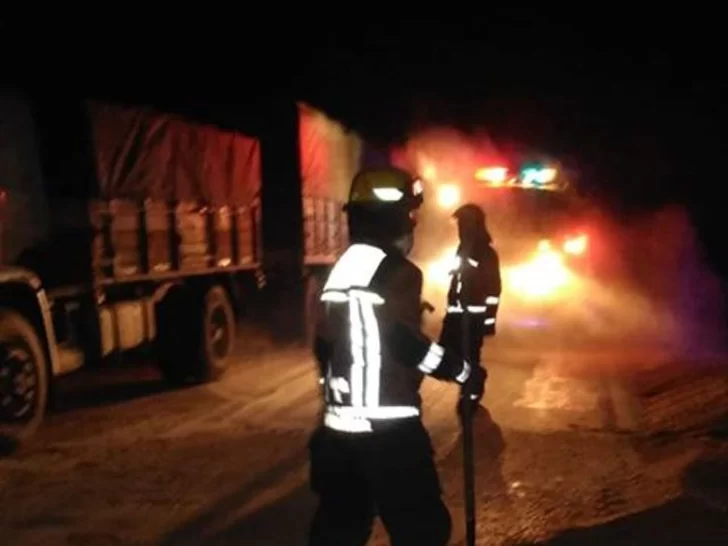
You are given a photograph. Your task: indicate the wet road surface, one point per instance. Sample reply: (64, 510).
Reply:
(559, 458)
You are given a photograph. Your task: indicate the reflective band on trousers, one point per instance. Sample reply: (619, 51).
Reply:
(477, 309)
(464, 374)
(350, 419)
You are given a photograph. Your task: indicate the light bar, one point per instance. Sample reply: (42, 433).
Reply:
(533, 175)
(494, 175)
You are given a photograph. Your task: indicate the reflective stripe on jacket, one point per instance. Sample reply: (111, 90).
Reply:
(368, 344)
(475, 285)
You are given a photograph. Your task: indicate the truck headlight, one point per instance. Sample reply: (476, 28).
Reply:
(576, 245)
(448, 195)
(542, 276)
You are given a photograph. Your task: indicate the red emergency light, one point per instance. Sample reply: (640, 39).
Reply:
(492, 175)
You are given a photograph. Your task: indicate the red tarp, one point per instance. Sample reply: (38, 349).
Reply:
(143, 154)
(329, 155)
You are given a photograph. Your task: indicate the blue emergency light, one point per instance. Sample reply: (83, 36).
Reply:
(537, 176)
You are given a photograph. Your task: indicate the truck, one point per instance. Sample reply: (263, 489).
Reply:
(126, 229)
(548, 235)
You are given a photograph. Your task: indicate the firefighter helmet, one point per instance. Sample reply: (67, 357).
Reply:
(471, 221)
(470, 214)
(381, 204)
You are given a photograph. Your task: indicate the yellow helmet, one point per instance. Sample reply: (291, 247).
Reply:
(381, 203)
(386, 186)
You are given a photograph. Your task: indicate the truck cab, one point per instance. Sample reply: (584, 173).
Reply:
(28, 350)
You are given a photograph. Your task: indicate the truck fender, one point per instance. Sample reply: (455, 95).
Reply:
(25, 278)
(161, 292)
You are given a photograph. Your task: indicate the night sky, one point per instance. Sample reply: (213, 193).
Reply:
(634, 108)
(630, 100)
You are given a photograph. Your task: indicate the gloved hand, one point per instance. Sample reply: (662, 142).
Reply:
(473, 389)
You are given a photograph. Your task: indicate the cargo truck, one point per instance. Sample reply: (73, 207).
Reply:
(125, 228)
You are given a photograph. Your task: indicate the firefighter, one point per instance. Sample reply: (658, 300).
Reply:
(475, 287)
(371, 455)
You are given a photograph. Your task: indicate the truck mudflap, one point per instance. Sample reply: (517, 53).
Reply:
(20, 275)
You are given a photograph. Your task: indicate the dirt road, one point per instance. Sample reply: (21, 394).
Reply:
(126, 462)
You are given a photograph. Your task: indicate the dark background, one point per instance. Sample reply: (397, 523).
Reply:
(629, 99)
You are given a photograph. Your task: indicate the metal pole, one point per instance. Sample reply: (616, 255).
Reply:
(468, 463)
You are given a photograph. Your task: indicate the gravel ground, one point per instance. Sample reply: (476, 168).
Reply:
(124, 461)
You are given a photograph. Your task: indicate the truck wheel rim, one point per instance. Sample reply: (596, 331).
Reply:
(219, 334)
(18, 384)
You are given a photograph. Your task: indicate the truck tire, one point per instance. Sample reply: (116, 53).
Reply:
(23, 378)
(217, 335)
(195, 334)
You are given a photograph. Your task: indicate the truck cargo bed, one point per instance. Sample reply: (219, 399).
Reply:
(106, 242)
(325, 230)
(112, 241)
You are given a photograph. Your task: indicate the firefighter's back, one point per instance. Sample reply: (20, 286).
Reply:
(368, 290)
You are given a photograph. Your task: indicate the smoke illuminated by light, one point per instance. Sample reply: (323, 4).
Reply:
(438, 270)
(639, 282)
(441, 155)
(429, 172)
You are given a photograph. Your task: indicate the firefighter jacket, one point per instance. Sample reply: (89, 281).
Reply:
(475, 285)
(371, 353)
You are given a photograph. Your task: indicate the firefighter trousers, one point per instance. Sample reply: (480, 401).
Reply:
(390, 473)
(451, 336)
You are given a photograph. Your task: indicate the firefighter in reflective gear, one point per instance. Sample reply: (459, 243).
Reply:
(475, 287)
(371, 455)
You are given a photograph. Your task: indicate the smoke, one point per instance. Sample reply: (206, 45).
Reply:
(441, 156)
(444, 155)
(677, 296)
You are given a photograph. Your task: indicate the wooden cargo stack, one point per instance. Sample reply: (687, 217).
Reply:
(124, 226)
(335, 222)
(233, 233)
(159, 243)
(219, 225)
(133, 240)
(246, 239)
(325, 234)
(320, 228)
(309, 227)
(194, 242)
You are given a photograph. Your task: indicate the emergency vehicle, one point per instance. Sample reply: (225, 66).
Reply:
(541, 230)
